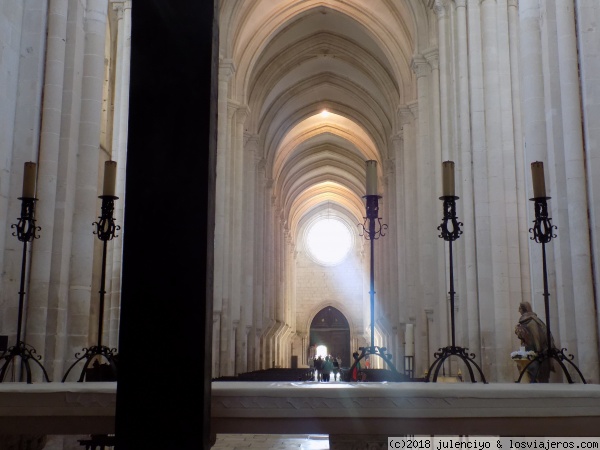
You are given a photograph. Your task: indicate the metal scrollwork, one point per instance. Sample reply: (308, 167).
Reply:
(453, 233)
(106, 228)
(543, 230)
(25, 227)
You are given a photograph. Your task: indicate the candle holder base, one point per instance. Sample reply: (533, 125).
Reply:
(460, 352)
(26, 352)
(380, 352)
(549, 355)
(96, 353)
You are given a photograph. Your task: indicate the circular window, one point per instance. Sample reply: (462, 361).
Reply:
(328, 241)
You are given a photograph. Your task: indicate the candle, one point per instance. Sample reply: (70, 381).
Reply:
(371, 177)
(448, 178)
(537, 177)
(110, 177)
(409, 340)
(29, 180)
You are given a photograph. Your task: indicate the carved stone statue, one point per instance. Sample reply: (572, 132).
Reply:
(532, 332)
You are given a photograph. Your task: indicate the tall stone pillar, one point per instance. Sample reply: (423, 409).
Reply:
(520, 165)
(480, 200)
(428, 264)
(574, 164)
(401, 249)
(441, 9)
(119, 154)
(533, 111)
(469, 332)
(439, 256)
(223, 278)
(226, 71)
(588, 16)
(83, 301)
(260, 318)
(498, 194)
(47, 293)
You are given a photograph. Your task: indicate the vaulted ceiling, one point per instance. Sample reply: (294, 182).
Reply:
(323, 81)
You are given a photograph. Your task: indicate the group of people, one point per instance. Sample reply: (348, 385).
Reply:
(324, 367)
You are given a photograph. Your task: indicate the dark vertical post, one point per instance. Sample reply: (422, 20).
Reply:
(163, 390)
(452, 293)
(372, 233)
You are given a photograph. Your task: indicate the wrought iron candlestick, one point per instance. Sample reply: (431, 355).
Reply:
(25, 232)
(543, 232)
(105, 230)
(373, 229)
(450, 234)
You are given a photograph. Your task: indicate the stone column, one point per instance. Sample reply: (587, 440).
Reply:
(441, 8)
(401, 292)
(533, 109)
(439, 255)
(520, 166)
(223, 278)
(44, 324)
(389, 249)
(237, 212)
(260, 318)
(409, 115)
(588, 16)
(119, 154)
(480, 188)
(83, 303)
(226, 71)
(496, 313)
(583, 290)
(467, 251)
(426, 206)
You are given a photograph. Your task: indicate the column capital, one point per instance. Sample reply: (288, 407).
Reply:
(251, 142)
(226, 69)
(397, 137)
(432, 56)
(232, 107)
(440, 7)
(261, 163)
(242, 113)
(513, 3)
(420, 66)
(390, 166)
(405, 115)
(120, 6)
(414, 109)
(460, 3)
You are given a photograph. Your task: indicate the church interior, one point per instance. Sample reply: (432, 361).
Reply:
(202, 196)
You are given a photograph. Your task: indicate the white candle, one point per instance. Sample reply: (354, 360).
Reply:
(29, 180)
(448, 178)
(110, 178)
(371, 177)
(537, 178)
(409, 340)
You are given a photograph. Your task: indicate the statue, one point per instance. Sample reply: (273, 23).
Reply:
(532, 333)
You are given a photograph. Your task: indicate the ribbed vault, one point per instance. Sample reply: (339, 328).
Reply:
(318, 84)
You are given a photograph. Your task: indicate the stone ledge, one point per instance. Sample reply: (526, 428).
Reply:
(390, 409)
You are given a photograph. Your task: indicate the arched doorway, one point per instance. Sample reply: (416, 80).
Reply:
(330, 328)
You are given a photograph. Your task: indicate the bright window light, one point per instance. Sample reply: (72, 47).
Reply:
(328, 241)
(321, 351)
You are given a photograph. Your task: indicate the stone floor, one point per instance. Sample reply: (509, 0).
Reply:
(272, 441)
